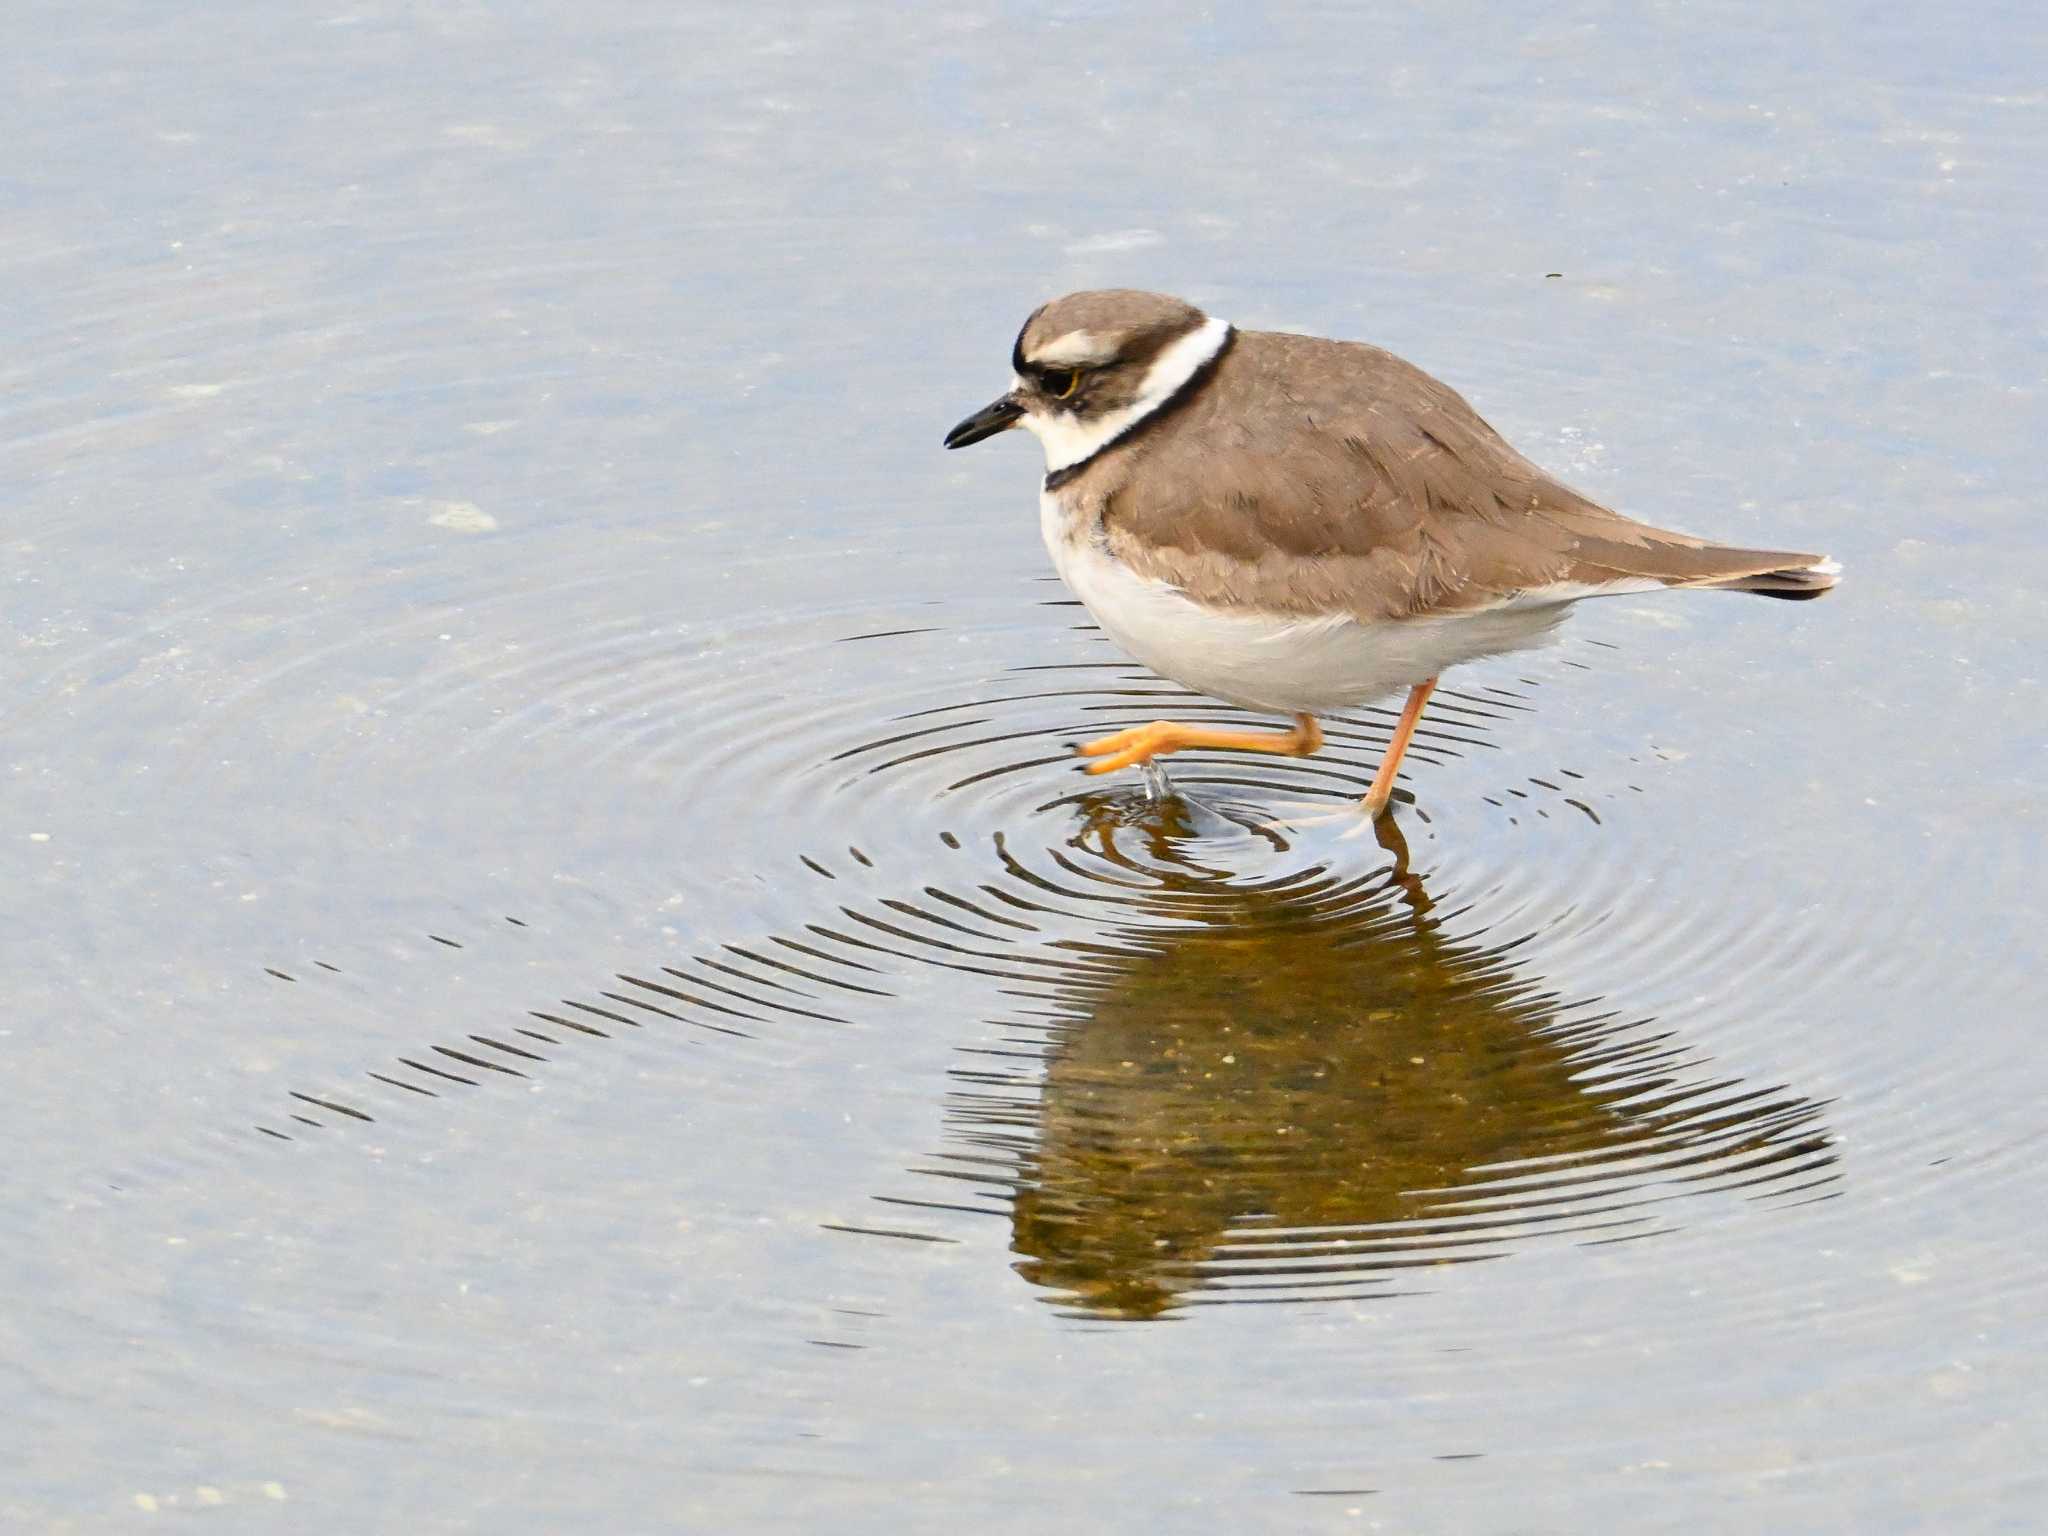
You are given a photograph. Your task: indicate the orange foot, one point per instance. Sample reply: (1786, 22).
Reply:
(1142, 743)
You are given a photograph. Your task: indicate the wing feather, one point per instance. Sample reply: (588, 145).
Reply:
(1314, 476)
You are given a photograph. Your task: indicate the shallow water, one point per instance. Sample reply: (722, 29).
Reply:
(564, 975)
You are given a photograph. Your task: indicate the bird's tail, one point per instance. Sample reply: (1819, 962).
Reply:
(1799, 578)
(1610, 552)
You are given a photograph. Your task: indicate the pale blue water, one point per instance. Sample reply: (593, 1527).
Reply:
(448, 458)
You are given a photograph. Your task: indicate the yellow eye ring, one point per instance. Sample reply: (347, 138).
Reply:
(1073, 383)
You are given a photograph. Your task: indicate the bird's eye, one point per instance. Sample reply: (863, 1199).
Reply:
(1060, 382)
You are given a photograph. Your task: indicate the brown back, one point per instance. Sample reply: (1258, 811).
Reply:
(1309, 476)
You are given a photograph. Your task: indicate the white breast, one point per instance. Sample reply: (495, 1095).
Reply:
(1271, 661)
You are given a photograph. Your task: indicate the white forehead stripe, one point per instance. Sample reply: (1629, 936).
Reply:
(1076, 349)
(1068, 439)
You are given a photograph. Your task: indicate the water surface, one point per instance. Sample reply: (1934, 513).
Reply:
(563, 973)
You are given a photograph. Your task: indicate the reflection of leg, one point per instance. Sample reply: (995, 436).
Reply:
(1382, 790)
(1387, 832)
(1142, 743)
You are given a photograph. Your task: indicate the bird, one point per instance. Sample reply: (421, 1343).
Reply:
(1299, 525)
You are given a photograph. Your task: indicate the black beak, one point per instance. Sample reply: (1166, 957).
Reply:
(996, 416)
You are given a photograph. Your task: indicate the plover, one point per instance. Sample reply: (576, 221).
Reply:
(1299, 525)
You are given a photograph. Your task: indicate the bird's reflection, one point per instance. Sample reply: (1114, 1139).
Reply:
(1314, 1088)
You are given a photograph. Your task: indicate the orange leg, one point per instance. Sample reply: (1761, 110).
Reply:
(1382, 791)
(1142, 743)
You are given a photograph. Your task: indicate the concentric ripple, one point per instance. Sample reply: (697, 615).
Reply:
(1233, 1058)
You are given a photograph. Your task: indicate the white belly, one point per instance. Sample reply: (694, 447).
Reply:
(1269, 661)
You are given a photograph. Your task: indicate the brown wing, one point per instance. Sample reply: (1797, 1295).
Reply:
(1310, 476)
